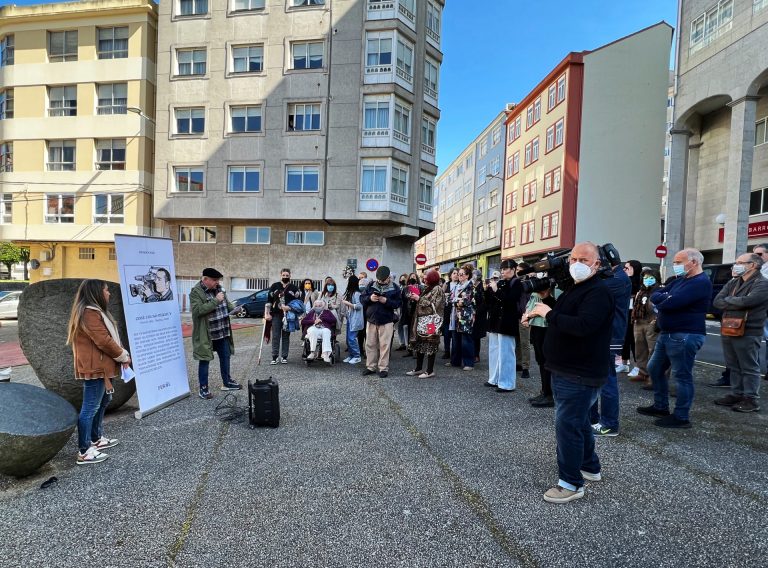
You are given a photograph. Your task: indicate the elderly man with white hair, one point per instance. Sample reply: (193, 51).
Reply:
(319, 323)
(682, 306)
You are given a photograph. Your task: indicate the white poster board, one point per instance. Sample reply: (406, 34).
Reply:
(148, 287)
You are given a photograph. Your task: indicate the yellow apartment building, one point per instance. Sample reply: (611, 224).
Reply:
(77, 88)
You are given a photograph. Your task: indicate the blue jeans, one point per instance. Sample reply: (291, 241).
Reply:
(575, 437)
(608, 413)
(678, 351)
(221, 347)
(502, 364)
(462, 350)
(354, 346)
(90, 424)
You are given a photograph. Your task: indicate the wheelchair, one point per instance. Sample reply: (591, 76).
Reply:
(335, 350)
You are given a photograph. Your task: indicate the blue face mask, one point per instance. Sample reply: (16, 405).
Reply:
(318, 310)
(678, 269)
(648, 282)
(331, 287)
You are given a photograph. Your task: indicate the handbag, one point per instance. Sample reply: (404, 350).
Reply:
(429, 325)
(733, 326)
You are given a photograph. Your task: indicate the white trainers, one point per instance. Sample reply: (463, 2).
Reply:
(347, 359)
(591, 476)
(311, 356)
(354, 360)
(326, 357)
(597, 427)
(91, 455)
(622, 368)
(634, 372)
(103, 443)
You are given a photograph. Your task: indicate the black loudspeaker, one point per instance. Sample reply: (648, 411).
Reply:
(264, 403)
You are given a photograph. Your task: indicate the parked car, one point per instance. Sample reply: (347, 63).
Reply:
(4, 292)
(253, 304)
(9, 305)
(719, 275)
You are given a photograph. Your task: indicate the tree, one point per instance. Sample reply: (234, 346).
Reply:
(10, 254)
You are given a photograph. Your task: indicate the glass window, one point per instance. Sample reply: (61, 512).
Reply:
(425, 191)
(379, 51)
(405, 61)
(297, 3)
(251, 235)
(62, 101)
(559, 126)
(300, 179)
(374, 182)
(428, 133)
(60, 208)
(197, 234)
(399, 184)
(6, 104)
(190, 120)
(376, 114)
(307, 55)
(6, 208)
(248, 59)
(303, 116)
(314, 238)
(6, 157)
(108, 208)
(402, 119)
(110, 154)
(193, 7)
(189, 180)
(112, 43)
(431, 72)
(561, 89)
(761, 132)
(246, 118)
(7, 50)
(61, 155)
(62, 46)
(190, 62)
(244, 179)
(112, 98)
(433, 21)
(247, 5)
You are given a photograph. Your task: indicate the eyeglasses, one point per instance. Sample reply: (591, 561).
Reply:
(745, 262)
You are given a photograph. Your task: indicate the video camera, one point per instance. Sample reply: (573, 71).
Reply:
(555, 267)
(147, 279)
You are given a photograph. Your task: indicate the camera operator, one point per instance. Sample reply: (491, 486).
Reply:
(162, 287)
(502, 299)
(577, 353)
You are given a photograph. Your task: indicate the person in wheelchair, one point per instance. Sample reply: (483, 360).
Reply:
(319, 323)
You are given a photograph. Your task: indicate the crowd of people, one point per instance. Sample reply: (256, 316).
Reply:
(611, 315)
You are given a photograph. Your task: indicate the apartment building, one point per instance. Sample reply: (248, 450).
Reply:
(585, 151)
(75, 165)
(718, 198)
(296, 133)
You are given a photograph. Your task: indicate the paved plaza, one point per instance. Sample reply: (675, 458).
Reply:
(392, 472)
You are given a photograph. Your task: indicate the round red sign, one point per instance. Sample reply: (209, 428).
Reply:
(661, 251)
(421, 259)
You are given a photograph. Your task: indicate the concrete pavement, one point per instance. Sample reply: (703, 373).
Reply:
(392, 472)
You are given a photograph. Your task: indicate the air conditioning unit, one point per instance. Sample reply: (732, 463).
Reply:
(510, 107)
(45, 256)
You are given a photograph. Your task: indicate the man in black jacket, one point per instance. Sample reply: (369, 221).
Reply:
(380, 299)
(577, 353)
(280, 295)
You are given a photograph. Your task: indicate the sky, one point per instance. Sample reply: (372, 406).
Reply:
(496, 51)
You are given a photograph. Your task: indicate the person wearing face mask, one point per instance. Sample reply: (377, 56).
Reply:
(744, 297)
(502, 299)
(319, 323)
(333, 301)
(310, 295)
(448, 288)
(407, 286)
(682, 310)
(481, 312)
(576, 351)
(644, 325)
(633, 269)
(279, 296)
(760, 250)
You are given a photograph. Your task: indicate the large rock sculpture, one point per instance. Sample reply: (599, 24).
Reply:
(34, 425)
(43, 316)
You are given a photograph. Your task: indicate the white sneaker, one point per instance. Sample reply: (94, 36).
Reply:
(326, 357)
(284, 361)
(311, 356)
(103, 443)
(91, 455)
(622, 368)
(591, 476)
(634, 372)
(354, 360)
(347, 359)
(597, 427)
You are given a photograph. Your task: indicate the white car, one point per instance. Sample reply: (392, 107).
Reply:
(9, 305)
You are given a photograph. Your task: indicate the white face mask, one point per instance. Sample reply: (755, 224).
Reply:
(738, 269)
(579, 271)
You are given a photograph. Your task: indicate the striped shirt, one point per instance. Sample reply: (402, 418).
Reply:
(218, 319)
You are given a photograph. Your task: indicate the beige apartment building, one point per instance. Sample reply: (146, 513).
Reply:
(75, 164)
(295, 133)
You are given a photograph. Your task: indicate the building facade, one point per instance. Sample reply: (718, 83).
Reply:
(718, 198)
(296, 133)
(75, 165)
(585, 151)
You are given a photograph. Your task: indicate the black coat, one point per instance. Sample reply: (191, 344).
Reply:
(503, 307)
(481, 312)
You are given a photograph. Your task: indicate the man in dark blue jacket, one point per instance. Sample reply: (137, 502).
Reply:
(576, 350)
(682, 306)
(605, 420)
(380, 299)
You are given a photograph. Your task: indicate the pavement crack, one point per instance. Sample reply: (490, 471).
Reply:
(197, 497)
(470, 497)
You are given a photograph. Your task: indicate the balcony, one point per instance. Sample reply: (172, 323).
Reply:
(389, 10)
(433, 38)
(386, 138)
(428, 153)
(425, 212)
(386, 201)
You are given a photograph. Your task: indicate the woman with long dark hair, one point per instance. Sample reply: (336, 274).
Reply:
(633, 268)
(332, 300)
(355, 319)
(463, 320)
(98, 356)
(425, 340)
(309, 294)
(448, 287)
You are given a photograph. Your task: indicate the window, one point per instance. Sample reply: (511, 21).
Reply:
(468, 187)
(6, 157)
(314, 238)
(528, 154)
(62, 46)
(709, 25)
(197, 234)
(758, 201)
(193, 7)
(87, 253)
(303, 116)
(550, 139)
(481, 174)
(60, 208)
(510, 166)
(6, 104)
(404, 68)
(307, 55)
(529, 117)
(469, 161)
(247, 58)
(510, 202)
(480, 233)
(297, 3)
(492, 230)
(483, 147)
(481, 205)
(299, 179)
(559, 128)
(516, 162)
(550, 225)
(247, 5)
(251, 235)
(376, 114)
(428, 135)
(374, 185)
(493, 199)
(112, 98)
(245, 118)
(535, 149)
(110, 154)
(509, 237)
(561, 89)
(7, 50)
(190, 62)
(515, 129)
(62, 101)
(190, 120)
(425, 194)
(112, 255)
(761, 130)
(496, 136)
(108, 208)
(433, 22)
(529, 193)
(403, 122)
(431, 72)
(6, 208)
(466, 213)
(537, 110)
(189, 179)
(61, 155)
(759, 5)
(112, 43)
(399, 193)
(378, 51)
(527, 232)
(244, 179)
(551, 97)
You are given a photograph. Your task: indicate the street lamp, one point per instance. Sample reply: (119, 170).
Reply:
(138, 111)
(498, 177)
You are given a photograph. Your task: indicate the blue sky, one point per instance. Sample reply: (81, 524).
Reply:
(496, 51)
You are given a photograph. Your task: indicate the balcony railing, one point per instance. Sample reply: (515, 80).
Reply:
(399, 136)
(400, 199)
(430, 92)
(404, 75)
(379, 5)
(373, 196)
(428, 149)
(406, 12)
(434, 35)
(375, 69)
(375, 132)
(425, 207)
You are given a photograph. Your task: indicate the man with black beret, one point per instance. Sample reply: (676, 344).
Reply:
(211, 331)
(380, 299)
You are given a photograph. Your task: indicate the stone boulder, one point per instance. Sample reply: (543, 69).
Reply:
(43, 317)
(34, 425)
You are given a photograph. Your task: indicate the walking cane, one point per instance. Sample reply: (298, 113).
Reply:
(263, 333)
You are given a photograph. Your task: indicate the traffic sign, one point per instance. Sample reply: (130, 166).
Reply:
(371, 264)
(661, 251)
(421, 259)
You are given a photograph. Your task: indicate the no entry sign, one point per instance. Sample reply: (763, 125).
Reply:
(661, 251)
(421, 259)
(371, 264)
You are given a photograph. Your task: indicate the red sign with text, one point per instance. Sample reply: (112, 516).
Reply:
(661, 251)
(421, 259)
(754, 230)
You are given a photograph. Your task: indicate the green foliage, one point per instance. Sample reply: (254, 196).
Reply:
(10, 254)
